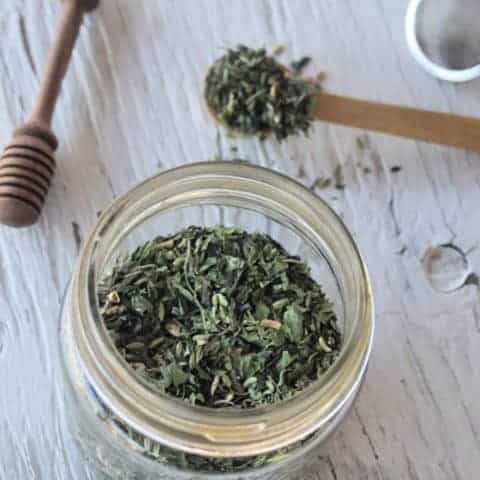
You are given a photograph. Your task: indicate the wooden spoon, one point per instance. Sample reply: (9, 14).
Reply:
(27, 164)
(417, 124)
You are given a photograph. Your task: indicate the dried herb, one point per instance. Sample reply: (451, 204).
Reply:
(278, 50)
(220, 317)
(396, 169)
(321, 183)
(251, 93)
(298, 65)
(339, 177)
(363, 142)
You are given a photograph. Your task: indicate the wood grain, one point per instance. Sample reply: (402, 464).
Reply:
(130, 106)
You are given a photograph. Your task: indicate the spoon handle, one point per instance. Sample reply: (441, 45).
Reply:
(57, 62)
(424, 125)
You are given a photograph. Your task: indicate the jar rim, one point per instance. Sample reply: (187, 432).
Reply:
(200, 430)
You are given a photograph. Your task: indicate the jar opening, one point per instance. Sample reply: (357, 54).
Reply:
(237, 194)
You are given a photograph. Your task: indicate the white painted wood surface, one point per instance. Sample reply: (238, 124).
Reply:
(130, 107)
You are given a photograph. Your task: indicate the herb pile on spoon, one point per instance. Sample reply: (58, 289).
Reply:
(252, 94)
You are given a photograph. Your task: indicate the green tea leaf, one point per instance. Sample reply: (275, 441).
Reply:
(141, 305)
(179, 377)
(285, 360)
(293, 323)
(262, 311)
(220, 317)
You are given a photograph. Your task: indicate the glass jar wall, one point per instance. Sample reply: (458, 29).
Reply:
(127, 430)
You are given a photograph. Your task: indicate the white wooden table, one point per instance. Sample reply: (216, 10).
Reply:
(130, 107)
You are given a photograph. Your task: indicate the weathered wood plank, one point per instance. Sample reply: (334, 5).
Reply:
(131, 107)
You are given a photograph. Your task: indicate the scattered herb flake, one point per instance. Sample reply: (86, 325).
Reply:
(298, 65)
(321, 183)
(278, 50)
(339, 177)
(362, 141)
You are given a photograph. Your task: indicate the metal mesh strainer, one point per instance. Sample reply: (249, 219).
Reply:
(444, 38)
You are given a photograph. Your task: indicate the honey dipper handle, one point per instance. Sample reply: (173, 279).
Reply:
(57, 61)
(424, 125)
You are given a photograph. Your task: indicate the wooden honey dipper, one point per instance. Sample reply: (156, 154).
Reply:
(27, 164)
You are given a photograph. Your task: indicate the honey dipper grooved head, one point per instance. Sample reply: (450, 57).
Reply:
(26, 169)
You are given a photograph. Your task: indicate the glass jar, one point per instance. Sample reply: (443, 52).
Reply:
(127, 430)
